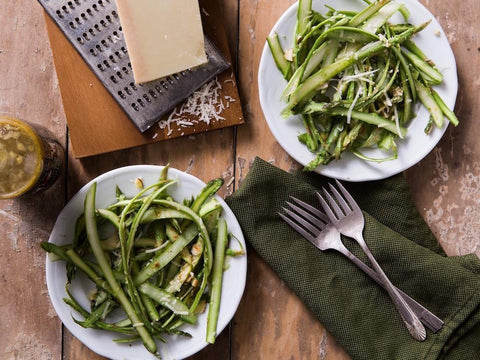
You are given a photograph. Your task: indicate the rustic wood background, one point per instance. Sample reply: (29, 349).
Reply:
(271, 323)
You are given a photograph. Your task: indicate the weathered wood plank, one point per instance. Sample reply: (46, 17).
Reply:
(445, 185)
(271, 322)
(28, 90)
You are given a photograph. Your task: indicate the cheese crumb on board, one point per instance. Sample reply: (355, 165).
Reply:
(163, 37)
(204, 105)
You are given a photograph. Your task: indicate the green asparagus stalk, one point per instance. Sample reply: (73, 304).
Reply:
(217, 275)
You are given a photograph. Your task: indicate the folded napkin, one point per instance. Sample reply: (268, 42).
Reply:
(354, 309)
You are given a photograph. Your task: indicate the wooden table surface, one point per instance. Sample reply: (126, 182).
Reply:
(271, 323)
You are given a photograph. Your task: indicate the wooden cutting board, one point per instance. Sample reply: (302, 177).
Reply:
(97, 124)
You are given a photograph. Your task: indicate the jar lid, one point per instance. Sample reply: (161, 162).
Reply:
(21, 157)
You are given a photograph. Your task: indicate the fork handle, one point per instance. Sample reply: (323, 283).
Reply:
(433, 322)
(412, 322)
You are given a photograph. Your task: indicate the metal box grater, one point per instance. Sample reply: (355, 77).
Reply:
(93, 27)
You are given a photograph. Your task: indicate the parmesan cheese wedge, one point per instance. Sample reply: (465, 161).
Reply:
(163, 37)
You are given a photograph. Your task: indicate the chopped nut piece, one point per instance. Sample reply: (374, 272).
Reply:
(139, 183)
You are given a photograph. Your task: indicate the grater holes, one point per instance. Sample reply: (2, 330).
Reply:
(59, 14)
(127, 90)
(116, 35)
(117, 67)
(164, 84)
(135, 107)
(70, 4)
(65, 9)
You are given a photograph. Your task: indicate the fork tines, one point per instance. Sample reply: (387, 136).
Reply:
(304, 218)
(336, 205)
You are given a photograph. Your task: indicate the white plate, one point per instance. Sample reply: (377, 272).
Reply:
(177, 347)
(411, 150)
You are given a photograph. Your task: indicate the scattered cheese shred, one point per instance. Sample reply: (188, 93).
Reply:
(204, 105)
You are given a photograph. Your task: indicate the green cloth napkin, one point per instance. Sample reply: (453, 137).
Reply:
(355, 310)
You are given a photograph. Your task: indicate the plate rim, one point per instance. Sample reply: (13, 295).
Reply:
(325, 170)
(240, 282)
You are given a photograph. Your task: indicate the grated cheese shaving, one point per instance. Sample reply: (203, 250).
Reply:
(359, 76)
(397, 121)
(157, 248)
(204, 105)
(352, 106)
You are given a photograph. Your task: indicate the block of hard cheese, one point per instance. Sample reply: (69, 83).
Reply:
(163, 36)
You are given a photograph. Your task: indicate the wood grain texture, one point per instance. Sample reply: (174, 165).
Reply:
(445, 185)
(283, 327)
(271, 322)
(28, 90)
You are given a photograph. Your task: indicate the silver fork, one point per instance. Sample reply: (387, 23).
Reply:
(315, 226)
(347, 217)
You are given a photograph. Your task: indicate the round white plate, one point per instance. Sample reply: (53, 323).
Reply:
(414, 147)
(177, 347)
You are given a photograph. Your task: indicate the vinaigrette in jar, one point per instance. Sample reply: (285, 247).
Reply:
(30, 159)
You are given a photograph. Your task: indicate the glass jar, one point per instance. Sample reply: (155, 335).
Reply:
(31, 160)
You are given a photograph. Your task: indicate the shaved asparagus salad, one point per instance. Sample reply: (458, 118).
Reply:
(354, 78)
(158, 260)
